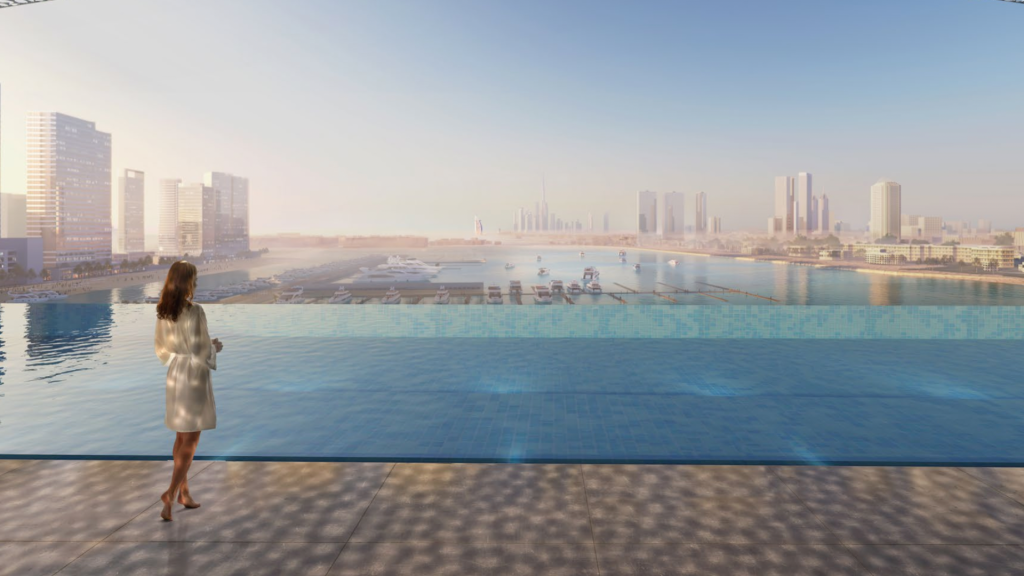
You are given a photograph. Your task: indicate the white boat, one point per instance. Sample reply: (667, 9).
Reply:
(494, 295)
(541, 294)
(538, 257)
(391, 275)
(622, 259)
(556, 286)
(622, 253)
(392, 296)
(590, 273)
(36, 296)
(582, 254)
(28, 298)
(673, 262)
(442, 296)
(543, 272)
(509, 266)
(574, 287)
(291, 296)
(151, 300)
(412, 264)
(341, 296)
(515, 286)
(51, 295)
(636, 267)
(594, 287)
(204, 296)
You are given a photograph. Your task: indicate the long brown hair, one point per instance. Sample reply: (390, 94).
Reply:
(177, 292)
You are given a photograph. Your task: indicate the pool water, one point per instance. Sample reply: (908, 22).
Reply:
(82, 380)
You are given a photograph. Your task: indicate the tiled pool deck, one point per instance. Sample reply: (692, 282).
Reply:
(101, 517)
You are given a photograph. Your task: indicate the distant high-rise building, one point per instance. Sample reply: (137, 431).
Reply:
(804, 195)
(646, 213)
(701, 221)
(168, 237)
(824, 217)
(197, 219)
(984, 226)
(12, 215)
(672, 212)
(776, 226)
(606, 227)
(885, 210)
(927, 228)
(784, 197)
(1018, 239)
(590, 221)
(131, 213)
(231, 196)
(478, 226)
(537, 225)
(715, 224)
(68, 189)
(813, 227)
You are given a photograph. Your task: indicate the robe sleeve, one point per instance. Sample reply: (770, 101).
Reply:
(204, 345)
(163, 351)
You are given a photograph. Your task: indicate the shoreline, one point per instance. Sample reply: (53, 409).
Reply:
(86, 285)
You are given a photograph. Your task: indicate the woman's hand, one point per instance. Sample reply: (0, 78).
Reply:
(217, 345)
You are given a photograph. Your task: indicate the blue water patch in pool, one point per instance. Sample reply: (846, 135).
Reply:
(82, 380)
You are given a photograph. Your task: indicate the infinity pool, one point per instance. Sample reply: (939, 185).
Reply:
(560, 384)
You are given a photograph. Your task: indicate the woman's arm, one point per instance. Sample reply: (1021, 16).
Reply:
(163, 352)
(207, 350)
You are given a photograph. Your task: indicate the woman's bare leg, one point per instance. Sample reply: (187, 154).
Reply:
(186, 449)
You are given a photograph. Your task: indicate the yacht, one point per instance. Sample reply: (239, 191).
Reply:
(636, 267)
(543, 272)
(515, 286)
(673, 262)
(590, 273)
(204, 296)
(541, 294)
(556, 286)
(582, 254)
(391, 274)
(291, 296)
(538, 257)
(341, 296)
(151, 300)
(594, 287)
(494, 295)
(509, 266)
(412, 264)
(574, 287)
(622, 259)
(622, 253)
(442, 296)
(28, 298)
(391, 297)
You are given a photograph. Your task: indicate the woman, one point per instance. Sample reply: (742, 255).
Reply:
(183, 344)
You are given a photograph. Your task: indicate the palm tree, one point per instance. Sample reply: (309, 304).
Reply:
(45, 275)
(977, 263)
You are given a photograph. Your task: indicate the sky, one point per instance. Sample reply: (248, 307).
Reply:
(408, 116)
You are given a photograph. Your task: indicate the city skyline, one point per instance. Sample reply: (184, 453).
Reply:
(439, 146)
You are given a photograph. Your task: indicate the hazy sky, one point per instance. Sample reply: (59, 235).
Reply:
(398, 116)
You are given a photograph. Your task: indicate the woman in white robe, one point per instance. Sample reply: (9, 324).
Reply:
(183, 344)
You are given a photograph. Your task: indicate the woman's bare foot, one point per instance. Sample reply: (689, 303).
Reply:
(187, 501)
(166, 512)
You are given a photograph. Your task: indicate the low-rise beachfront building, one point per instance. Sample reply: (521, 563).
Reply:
(999, 257)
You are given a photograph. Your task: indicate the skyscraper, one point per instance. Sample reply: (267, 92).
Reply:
(606, 217)
(824, 218)
(812, 228)
(478, 226)
(715, 224)
(68, 189)
(131, 216)
(12, 215)
(168, 239)
(646, 213)
(885, 209)
(784, 196)
(590, 221)
(701, 220)
(672, 211)
(804, 194)
(197, 219)
(231, 195)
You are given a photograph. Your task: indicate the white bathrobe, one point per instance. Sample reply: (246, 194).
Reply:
(185, 348)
